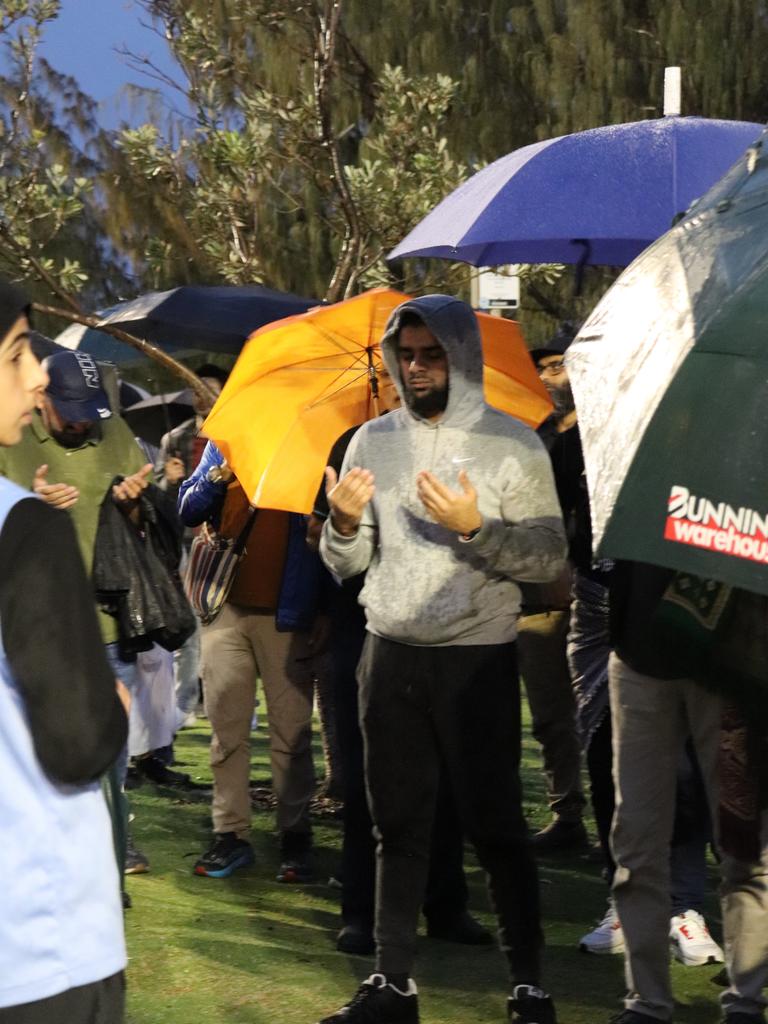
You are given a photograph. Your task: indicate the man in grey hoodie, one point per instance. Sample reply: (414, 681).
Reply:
(445, 503)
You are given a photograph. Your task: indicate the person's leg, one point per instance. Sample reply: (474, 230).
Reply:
(286, 669)
(100, 1002)
(745, 918)
(401, 766)
(588, 650)
(325, 702)
(545, 674)
(475, 702)
(600, 770)
(691, 941)
(446, 893)
(402, 772)
(358, 857)
(648, 728)
(688, 858)
(186, 670)
(126, 672)
(229, 676)
(130, 860)
(608, 936)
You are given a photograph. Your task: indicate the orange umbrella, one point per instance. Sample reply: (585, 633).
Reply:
(301, 382)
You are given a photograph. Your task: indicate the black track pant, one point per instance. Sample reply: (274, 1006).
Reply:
(455, 708)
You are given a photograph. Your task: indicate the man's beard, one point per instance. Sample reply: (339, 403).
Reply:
(562, 399)
(67, 437)
(429, 404)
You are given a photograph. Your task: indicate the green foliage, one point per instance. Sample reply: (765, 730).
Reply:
(51, 211)
(310, 150)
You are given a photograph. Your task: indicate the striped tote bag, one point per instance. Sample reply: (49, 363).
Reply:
(211, 568)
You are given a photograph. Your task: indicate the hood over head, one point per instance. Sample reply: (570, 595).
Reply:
(455, 326)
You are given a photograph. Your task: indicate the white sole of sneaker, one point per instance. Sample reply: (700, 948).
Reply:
(694, 961)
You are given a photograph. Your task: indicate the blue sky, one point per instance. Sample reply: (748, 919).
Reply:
(83, 41)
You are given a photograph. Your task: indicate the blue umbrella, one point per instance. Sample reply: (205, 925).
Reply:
(188, 319)
(596, 197)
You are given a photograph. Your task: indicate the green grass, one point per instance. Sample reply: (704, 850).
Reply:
(247, 950)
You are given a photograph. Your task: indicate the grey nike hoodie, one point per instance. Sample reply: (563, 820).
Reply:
(425, 586)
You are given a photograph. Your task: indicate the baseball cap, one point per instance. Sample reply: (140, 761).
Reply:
(75, 388)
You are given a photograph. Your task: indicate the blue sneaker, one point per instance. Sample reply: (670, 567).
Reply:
(226, 854)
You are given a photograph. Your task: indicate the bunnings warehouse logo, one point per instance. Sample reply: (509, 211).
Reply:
(742, 532)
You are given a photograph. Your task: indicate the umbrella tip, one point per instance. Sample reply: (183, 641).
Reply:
(672, 92)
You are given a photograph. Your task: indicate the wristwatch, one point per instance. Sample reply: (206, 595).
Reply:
(215, 475)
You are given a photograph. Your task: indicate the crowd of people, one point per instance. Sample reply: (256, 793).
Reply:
(448, 558)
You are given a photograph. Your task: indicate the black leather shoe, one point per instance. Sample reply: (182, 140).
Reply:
(356, 940)
(560, 836)
(463, 928)
(152, 768)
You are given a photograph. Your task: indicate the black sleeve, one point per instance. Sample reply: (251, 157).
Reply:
(335, 460)
(54, 645)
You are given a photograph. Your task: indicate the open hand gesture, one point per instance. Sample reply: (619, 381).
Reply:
(455, 510)
(61, 496)
(348, 497)
(130, 489)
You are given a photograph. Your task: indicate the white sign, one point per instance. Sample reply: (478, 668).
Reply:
(497, 290)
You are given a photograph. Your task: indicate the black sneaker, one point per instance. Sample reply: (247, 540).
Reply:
(356, 939)
(462, 928)
(226, 854)
(560, 836)
(529, 1005)
(136, 863)
(377, 1002)
(296, 855)
(153, 768)
(744, 1018)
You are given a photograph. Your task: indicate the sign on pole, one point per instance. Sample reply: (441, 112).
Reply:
(497, 289)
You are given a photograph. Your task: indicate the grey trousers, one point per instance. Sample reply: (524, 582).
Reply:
(651, 719)
(745, 924)
(236, 648)
(541, 645)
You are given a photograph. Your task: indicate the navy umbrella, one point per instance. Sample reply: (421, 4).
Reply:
(188, 319)
(595, 197)
(153, 416)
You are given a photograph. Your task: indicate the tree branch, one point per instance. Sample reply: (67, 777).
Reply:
(147, 348)
(324, 66)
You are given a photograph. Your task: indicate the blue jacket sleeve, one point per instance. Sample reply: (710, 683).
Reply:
(199, 499)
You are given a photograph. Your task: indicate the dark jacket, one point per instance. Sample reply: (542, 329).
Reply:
(136, 574)
(201, 501)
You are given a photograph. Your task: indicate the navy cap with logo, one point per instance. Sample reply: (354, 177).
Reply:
(75, 388)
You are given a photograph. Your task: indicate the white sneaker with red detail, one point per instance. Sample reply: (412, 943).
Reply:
(691, 942)
(607, 937)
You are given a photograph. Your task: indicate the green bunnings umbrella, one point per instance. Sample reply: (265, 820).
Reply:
(670, 377)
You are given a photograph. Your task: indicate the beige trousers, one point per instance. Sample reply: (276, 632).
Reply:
(239, 646)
